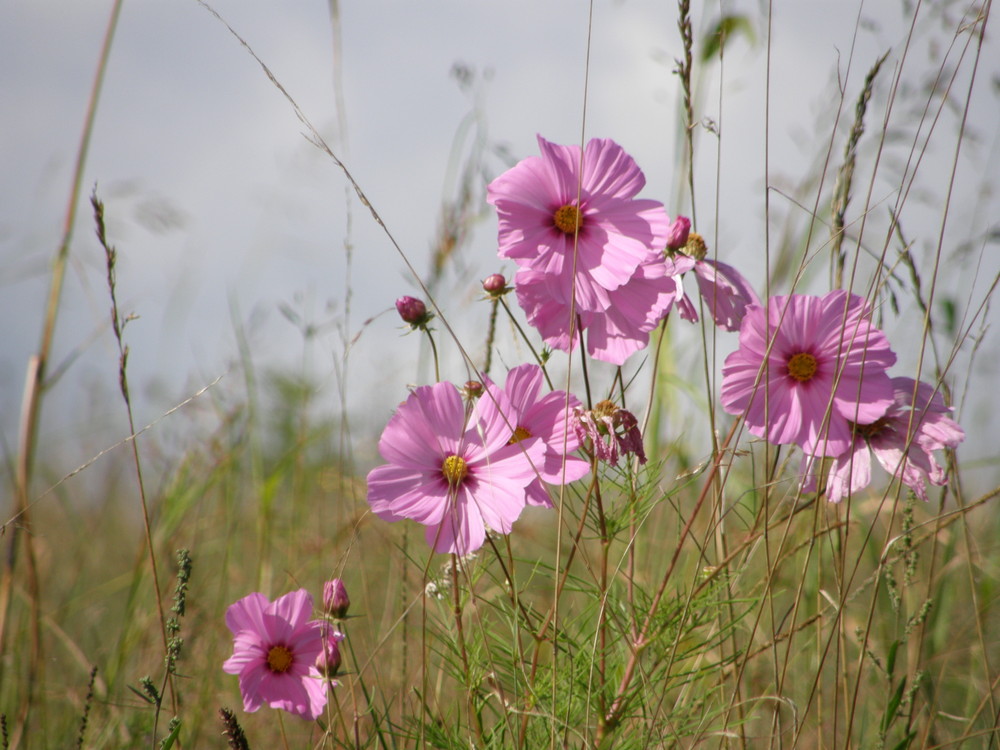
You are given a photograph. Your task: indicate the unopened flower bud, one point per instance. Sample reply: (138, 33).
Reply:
(495, 285)
(335, 599)
(413, 311)
(328, 661)
(677, 233)
(472, 389)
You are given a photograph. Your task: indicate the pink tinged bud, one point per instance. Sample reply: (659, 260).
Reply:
(412, 311)
(328, 661)
(677, 233)
(495, 285)
(335, 599)
(472, 389)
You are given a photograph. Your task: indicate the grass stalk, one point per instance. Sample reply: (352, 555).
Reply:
(32, 402)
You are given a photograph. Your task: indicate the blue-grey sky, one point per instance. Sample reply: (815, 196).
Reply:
(222, 211)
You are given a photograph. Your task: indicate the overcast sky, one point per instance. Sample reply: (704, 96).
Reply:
(222, 212)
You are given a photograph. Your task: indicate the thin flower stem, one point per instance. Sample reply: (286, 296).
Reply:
(527, 340)
(474, 718)
(491, 333)
(618, 705)
(434, 351)
(281, 727)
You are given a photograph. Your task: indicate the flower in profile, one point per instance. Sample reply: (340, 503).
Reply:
(275, 647)
(545, 417)
(551, 210)
(609, 431)
(413, 311)
(453, 471)
(726, 294)
(826, 369)
(903, 441)
(336, 602)
(624, 318)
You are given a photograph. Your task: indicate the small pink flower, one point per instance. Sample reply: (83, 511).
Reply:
(336, 602)
(545, 417)
(910, 458)
(825, 370)
(451, 470)
(275, 646)
(611, 432)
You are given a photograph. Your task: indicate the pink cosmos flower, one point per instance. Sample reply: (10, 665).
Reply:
(275, 646)
(826, 370)
(452, 471)
(911, 459)
(626, 315)
(612, 432)
(547, 207)
(726, 293)
(544, 417)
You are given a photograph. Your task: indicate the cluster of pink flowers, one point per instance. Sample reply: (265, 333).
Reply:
(813, 371)
(459, 469)
(591, 255)
(283, 657)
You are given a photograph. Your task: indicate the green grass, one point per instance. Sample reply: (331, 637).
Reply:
(702, 600)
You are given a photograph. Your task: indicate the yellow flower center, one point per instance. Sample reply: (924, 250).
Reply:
(567, 219)
(696, 247)
(520, 434)
(454, 469)
(279, 659)
(802, 366)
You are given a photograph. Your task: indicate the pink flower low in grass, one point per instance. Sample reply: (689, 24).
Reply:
(548, 207)
(547, 418)
(454, 472)
(275, 647)
(626, 315)
(903, 441)
(826, 370)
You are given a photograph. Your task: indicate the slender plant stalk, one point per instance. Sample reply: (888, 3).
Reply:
(31, 408)
(118, 323)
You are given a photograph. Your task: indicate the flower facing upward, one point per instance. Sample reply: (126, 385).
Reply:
(275, 647)
(546, 418)
(453, 471)
(826, 369)
(911, 459)
(547, 208)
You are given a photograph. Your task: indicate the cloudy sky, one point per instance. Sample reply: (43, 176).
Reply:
(224, 214)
